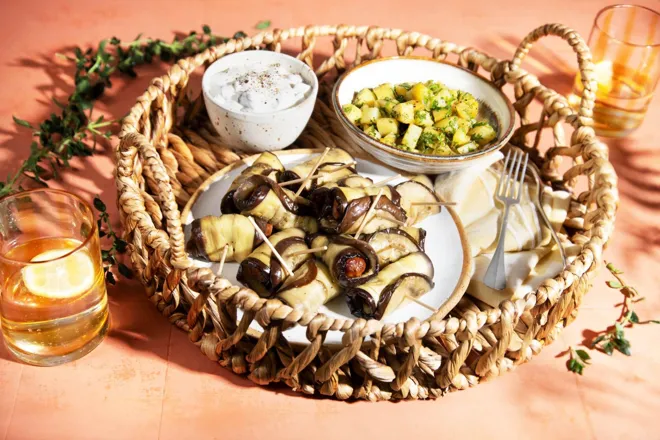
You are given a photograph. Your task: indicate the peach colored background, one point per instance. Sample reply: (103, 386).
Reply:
(148, 381)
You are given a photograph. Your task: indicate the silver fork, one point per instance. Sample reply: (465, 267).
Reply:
(509, 191)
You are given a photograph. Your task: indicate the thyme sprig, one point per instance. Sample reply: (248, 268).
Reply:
(73, 131)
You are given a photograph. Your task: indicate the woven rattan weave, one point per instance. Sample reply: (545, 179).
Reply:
(168, 148)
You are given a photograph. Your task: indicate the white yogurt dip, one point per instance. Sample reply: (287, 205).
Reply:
(257, 88)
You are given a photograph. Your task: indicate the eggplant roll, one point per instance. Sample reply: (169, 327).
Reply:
(340, 210)
(209, 236)
(393, 244)
(410, 276)
(262, 197)
(311, 286)
(418, 190)
(262, 272)
(351, 262)
(267, 164)
(335, 158)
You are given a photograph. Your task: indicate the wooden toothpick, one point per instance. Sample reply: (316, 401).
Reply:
(433, 204)
(386, 181)
(322, 173)
(272, 248)
(222, 260)
(310, 251)
(421, 303)
(311, 173)
(366, 217)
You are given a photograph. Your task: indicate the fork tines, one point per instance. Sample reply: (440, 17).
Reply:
(510, 175)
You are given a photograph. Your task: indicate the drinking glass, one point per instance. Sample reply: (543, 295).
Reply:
(625, 45)
(53, 302)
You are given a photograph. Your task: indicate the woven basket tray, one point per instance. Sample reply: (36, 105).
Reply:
(168, 149)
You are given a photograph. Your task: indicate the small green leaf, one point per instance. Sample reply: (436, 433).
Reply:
(613, 269)
(125, 271)
(22, 122)
(264, 24)
(622, 345)
(575, 366)
(634, 318)
(597, 340)
(614, 284)
(99, 205)
(654, 321)
(110, 278)
(206, 29)
(608, 348)
(583, 355)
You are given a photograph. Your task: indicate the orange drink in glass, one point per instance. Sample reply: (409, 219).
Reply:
(53, 301)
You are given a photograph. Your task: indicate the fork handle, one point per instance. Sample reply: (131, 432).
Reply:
(496, 274)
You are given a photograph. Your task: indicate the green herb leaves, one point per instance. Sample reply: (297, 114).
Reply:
(578, 361)
(264, 24)
(119, 246)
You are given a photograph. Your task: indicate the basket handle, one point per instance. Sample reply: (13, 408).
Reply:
(152, 159)
(583, 53)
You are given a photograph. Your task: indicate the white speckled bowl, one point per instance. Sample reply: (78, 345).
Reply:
(258, 132)
(494, 106)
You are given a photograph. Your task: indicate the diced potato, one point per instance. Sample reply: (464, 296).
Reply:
(386, 106)
(352, 113)
(482, 134)
(464, 124)
(439, 115)
(431, 138)
(372, 132)
(437, 103)
(423, 118)
(400, 90)
(390, 139)
(419, 92)
(445, 94)
(384, 91)
(460, 138)
(449, 124)
(365, 96)
(387, 126)
(434, 86)
(418, 105)
(467, 148)
(369, 115)
(404, 112)
(409, 140)
(465, 110)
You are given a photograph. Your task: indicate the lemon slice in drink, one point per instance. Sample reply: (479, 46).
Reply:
(67, 277)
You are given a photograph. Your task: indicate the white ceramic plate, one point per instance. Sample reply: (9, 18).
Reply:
(494, 107)
(446, 245)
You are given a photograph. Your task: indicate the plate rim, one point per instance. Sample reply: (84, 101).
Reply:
(463, 280)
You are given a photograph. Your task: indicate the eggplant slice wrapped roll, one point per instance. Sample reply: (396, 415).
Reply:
(419, 189)
(393, 244)
(351, 262)
(311, 286)
(262, 197)
(262, 272)
(209, 236)
(340, 210)
(410, 276)
(334, 159)
(267, 164)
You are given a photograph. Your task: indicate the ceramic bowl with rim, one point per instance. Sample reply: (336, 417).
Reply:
(259, 132)
(494, 106)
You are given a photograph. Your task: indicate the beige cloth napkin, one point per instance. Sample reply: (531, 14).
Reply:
(531, 255)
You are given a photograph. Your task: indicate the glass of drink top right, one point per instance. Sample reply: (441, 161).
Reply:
(53, 302)
(625, 46)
